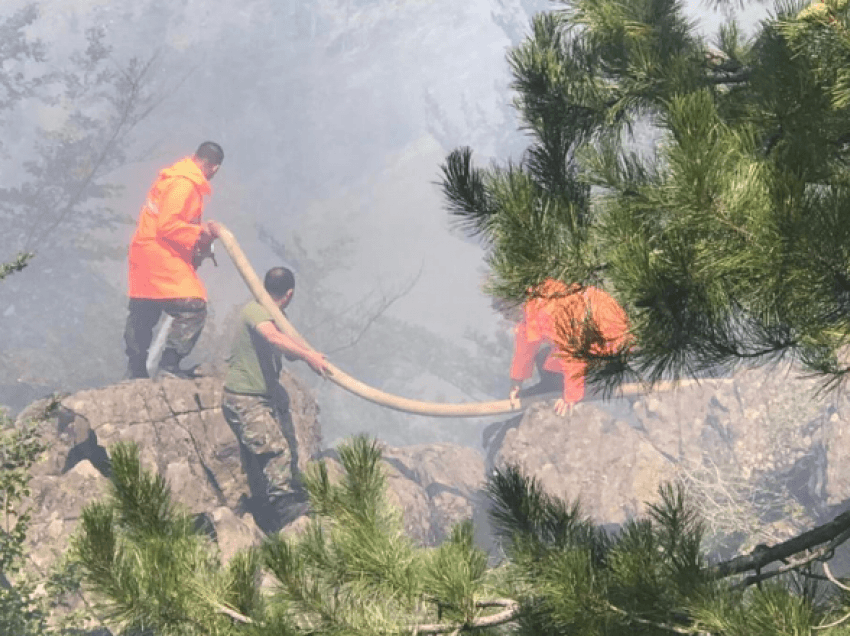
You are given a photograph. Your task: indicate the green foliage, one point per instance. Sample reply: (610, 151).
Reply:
(728, 244)
(355, 571)
(352, 571)
(25, 610)
(455, 574)
(573, 577)
(155, 571)
(20, 613)
(15, 266)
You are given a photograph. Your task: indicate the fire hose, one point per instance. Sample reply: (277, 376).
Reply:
(398, 403)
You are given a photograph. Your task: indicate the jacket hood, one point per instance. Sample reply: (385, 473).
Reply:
(550, 289)
(545, 301)
(188, 169)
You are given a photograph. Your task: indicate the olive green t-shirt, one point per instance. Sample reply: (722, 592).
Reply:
(254, 363)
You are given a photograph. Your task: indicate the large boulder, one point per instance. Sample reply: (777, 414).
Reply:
(436, 485)
(763, 435)
(182, 435)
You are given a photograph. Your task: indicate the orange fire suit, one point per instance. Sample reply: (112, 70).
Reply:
(169, 226)
(551, 301)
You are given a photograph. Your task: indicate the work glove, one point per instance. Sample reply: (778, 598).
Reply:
(204, 246)
(203, 250)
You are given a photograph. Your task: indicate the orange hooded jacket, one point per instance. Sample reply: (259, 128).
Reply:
(169, 226)
(551, 301)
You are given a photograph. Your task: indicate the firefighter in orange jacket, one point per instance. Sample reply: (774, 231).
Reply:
(169, 244)
(552, 303)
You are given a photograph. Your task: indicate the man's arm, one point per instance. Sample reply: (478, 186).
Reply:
(268, 330)
(523, 360)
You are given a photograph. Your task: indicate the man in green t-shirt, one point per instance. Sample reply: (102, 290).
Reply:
(254, 403)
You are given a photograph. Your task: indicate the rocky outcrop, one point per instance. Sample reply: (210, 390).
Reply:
(763, 434)
(760, 435)
(182, 434)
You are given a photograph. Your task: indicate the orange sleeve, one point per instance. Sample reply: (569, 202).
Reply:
(612, 322)
(573, 381)
(524, 351)
(180, 214)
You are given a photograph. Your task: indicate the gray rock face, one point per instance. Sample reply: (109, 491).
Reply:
(440, 481)
(182, 434)
(762, 437)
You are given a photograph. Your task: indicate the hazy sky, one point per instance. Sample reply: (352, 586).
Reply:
(335, 116)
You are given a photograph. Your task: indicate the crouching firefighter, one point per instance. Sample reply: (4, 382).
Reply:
(552, 304)
(169, 244)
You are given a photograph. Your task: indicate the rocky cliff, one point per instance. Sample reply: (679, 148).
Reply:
(182, 434)
(758, 453)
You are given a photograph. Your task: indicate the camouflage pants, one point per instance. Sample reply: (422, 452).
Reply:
(266, 456)
(188, 314)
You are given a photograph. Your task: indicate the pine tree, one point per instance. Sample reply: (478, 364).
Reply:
(728, 244)
(353, 571)
(68, 110)
(651, 576)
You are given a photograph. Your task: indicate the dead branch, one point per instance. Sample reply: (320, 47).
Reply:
(643, 621)
(377, 313)
(832, 578)
(505, 616)
(833, 533)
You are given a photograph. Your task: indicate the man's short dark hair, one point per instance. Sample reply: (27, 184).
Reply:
(210, 153)
(279, 280)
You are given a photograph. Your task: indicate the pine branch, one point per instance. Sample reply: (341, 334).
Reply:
(17, 265)
(833, 533)
(465, 192)
(637, 619)
(511, 611)
(232, 613)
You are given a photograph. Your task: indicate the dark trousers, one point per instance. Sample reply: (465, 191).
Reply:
(188, 315)
(266, 453)
(549, 382)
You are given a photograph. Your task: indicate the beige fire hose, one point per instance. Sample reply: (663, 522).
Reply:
(436, 409)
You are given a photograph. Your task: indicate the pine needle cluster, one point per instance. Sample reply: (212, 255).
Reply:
(153, 569)
(573, 577)
(355, 570)
(352, 571)
(727, 243)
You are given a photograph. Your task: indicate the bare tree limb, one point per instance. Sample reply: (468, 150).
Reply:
(832, 578)
(127, 121)
(643, 621)
(232, 613)
(833, 533)
(505, 616)
(386, 304)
